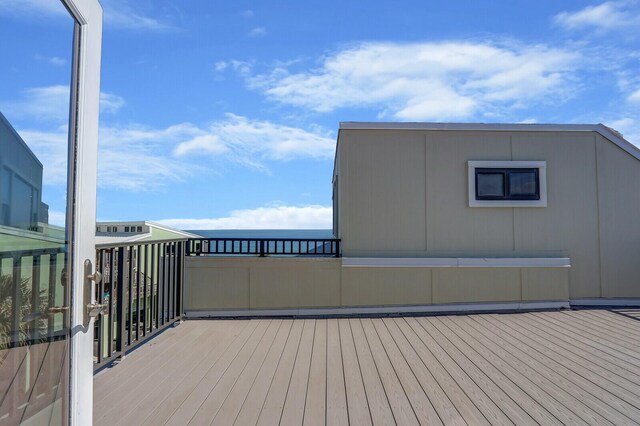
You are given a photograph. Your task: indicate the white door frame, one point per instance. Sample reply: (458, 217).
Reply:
(81, 194)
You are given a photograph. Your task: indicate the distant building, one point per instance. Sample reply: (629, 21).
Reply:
(21, 203)
(137, 231)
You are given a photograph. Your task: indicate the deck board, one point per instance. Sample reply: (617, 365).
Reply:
(573, 367)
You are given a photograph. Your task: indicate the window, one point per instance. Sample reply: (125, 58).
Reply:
(126, 229)
(507, 183)
(139, 228)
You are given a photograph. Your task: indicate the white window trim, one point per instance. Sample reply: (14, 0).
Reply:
(542, 174)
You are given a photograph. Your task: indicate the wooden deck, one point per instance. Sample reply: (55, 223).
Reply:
(570, 367)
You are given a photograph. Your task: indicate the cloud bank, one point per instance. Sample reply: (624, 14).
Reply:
(426, 81)
(268, 217)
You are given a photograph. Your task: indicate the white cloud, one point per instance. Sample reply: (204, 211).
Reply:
(629, 127)
(420, 81)
(132, 158)
(257, 32)
(603, 17)
(57, 61)
(250, 141)
(30, 6)
(634, 97)
(117, 13)
(57, 218)
(110, 102)
(52, 103)
(268, 217)
(51, 149)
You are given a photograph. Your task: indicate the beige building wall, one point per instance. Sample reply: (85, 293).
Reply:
(405, 193)
(258, 284)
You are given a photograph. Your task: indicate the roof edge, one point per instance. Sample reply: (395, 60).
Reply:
(606, 132)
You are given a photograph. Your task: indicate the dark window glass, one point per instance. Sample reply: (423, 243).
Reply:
(507, 184)
(490, 184)
(522, 183)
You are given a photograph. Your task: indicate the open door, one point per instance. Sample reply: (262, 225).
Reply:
(49, 106)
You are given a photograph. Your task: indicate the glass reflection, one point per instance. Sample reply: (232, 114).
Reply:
(34, 295)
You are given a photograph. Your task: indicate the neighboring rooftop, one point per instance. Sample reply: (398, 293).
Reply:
(126, 232)
(563, 367)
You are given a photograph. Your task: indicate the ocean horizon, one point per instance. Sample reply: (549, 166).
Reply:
(263, 233)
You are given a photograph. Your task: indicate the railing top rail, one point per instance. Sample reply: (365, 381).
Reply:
(264, 239)
(137, 243)
(30, 252)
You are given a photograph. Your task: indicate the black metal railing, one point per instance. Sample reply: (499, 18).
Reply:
(32, 290)
(312, 247)
(141, 287)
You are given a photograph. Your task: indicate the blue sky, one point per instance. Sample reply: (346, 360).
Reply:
(225, 115)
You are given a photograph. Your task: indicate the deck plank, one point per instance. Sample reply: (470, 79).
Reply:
(238, 377)
(316, 402)
(357, 403)
(502, 399)
(271, 411)
(270, 345)
(595, 388)
(188, 407)
(159, 404)
(548, 336)
(570, 396)
(379, 406)
(484, 403)
(251, 406)
(524, 389)
(110, 402)
(465, 406)
(444, 406)
(293, 411)
(398, 400)
(544, 367)
(336, 413)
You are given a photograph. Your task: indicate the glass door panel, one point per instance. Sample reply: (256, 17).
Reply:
(36, 43)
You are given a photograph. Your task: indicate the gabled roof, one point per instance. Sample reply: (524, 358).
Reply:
(606, 132)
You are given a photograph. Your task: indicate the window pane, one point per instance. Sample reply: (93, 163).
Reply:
(522, 183)
(490, 184)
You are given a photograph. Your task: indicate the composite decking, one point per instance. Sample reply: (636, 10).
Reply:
(564, 367)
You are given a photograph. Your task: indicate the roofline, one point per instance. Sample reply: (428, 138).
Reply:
(606, 132)
(146, 223)
(19, 138)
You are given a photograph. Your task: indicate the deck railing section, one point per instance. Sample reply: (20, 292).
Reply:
(141, 287)
(32, 287)
(312, 247)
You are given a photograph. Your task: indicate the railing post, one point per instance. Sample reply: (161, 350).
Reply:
(16, 303)
(120, 313)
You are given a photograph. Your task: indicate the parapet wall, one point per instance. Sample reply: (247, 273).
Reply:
(253, 285)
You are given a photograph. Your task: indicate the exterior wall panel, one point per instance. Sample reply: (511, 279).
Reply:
(382, 181)
(453, 226)
(569, 223)
(458, 285)
(619, 207)
(386, 286)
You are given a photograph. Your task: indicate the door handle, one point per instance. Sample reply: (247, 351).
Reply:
(91, 278)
